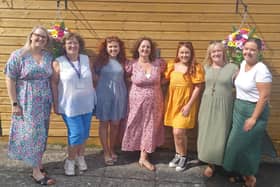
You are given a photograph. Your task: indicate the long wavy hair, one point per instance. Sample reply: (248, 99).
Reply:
(191, 63)
(135, 53)
(210, 48)
(103, 57)
(27, 46)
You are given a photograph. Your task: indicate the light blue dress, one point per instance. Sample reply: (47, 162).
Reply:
(111, 92)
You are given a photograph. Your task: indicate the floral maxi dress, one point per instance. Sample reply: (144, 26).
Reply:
(144, 129)
(29, 131)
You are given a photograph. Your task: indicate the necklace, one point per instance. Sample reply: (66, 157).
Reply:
(215, 75)
(78, 71)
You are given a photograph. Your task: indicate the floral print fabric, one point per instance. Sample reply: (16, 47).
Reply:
(29, 132)
(144, 129)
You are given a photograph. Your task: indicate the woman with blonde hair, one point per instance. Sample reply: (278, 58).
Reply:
(28, 73)
(215, 114)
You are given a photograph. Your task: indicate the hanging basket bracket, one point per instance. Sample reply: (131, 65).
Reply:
(65, 4)
(245, 6)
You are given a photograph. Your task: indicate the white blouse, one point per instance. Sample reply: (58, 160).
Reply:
(245, 82)
(76, 95)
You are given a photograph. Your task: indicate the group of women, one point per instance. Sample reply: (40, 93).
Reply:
(118, 90)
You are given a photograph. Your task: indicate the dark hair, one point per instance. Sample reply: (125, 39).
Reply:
(135, 53)
(71, 35)
(191, 63)
(257, 41)
(103, 56)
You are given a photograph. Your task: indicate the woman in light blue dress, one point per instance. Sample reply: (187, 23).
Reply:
(111, 94)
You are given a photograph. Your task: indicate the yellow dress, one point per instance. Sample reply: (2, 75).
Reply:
(179, 92)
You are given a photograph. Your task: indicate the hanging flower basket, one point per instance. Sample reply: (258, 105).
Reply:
(235, 42)
(57, 32)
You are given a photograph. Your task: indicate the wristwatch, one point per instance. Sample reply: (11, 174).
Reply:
(15, 104)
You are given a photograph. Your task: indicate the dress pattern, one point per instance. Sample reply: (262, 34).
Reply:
(29, 132)
(215, 113)
(111, 92)
(179, 93)
(144, 129)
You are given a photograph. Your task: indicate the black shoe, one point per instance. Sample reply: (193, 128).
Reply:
(182, 165)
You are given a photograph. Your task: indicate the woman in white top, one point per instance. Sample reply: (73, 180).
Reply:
(74, 98)
(250, 115)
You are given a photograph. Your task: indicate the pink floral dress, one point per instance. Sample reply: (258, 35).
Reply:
(29, 132)
(144, 128)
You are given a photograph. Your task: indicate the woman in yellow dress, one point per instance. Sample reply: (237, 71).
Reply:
(186, 78)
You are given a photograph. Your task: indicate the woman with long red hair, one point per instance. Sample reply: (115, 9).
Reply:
(111, 94)
(186, 77)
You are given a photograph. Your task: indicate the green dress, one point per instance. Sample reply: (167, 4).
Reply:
(215, 113)
(243, 150)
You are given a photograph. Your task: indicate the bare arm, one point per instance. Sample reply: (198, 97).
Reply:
(264, 91)
(11, 87)
(54, 85)
(186, 109)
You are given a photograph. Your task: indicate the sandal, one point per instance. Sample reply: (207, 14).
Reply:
(44, 181)
(115, 158)
(250, 182)
(109, 161)
(44, 171)
(209, 171)
(236, 179)
(147, 165)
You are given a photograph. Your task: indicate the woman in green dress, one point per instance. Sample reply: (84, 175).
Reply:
(250, 115)
(215, 114)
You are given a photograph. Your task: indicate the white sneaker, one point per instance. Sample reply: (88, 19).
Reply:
(174, 162)
(69, 167)
(81, 163)
(182, 165)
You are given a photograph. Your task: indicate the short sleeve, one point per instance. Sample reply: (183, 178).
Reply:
(263, 74)
(199, 76)
(169, 69)
(13, 66)
(128, 66)
(162, 64)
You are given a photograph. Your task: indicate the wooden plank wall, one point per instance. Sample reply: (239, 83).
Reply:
(166, 21)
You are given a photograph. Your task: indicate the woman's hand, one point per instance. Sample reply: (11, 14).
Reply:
(16, 110)
(186, 110)
(249, 124)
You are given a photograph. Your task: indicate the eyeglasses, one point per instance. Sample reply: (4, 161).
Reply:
(39, 35)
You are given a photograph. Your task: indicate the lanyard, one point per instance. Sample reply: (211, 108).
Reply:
(78, 71)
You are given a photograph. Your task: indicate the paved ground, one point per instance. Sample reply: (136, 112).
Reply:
(126, 172)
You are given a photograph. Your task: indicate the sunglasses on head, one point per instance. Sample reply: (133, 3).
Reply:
(215, 41)
(185, 43)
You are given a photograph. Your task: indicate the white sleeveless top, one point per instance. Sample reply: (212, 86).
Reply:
(76, 95)
(245, 82)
